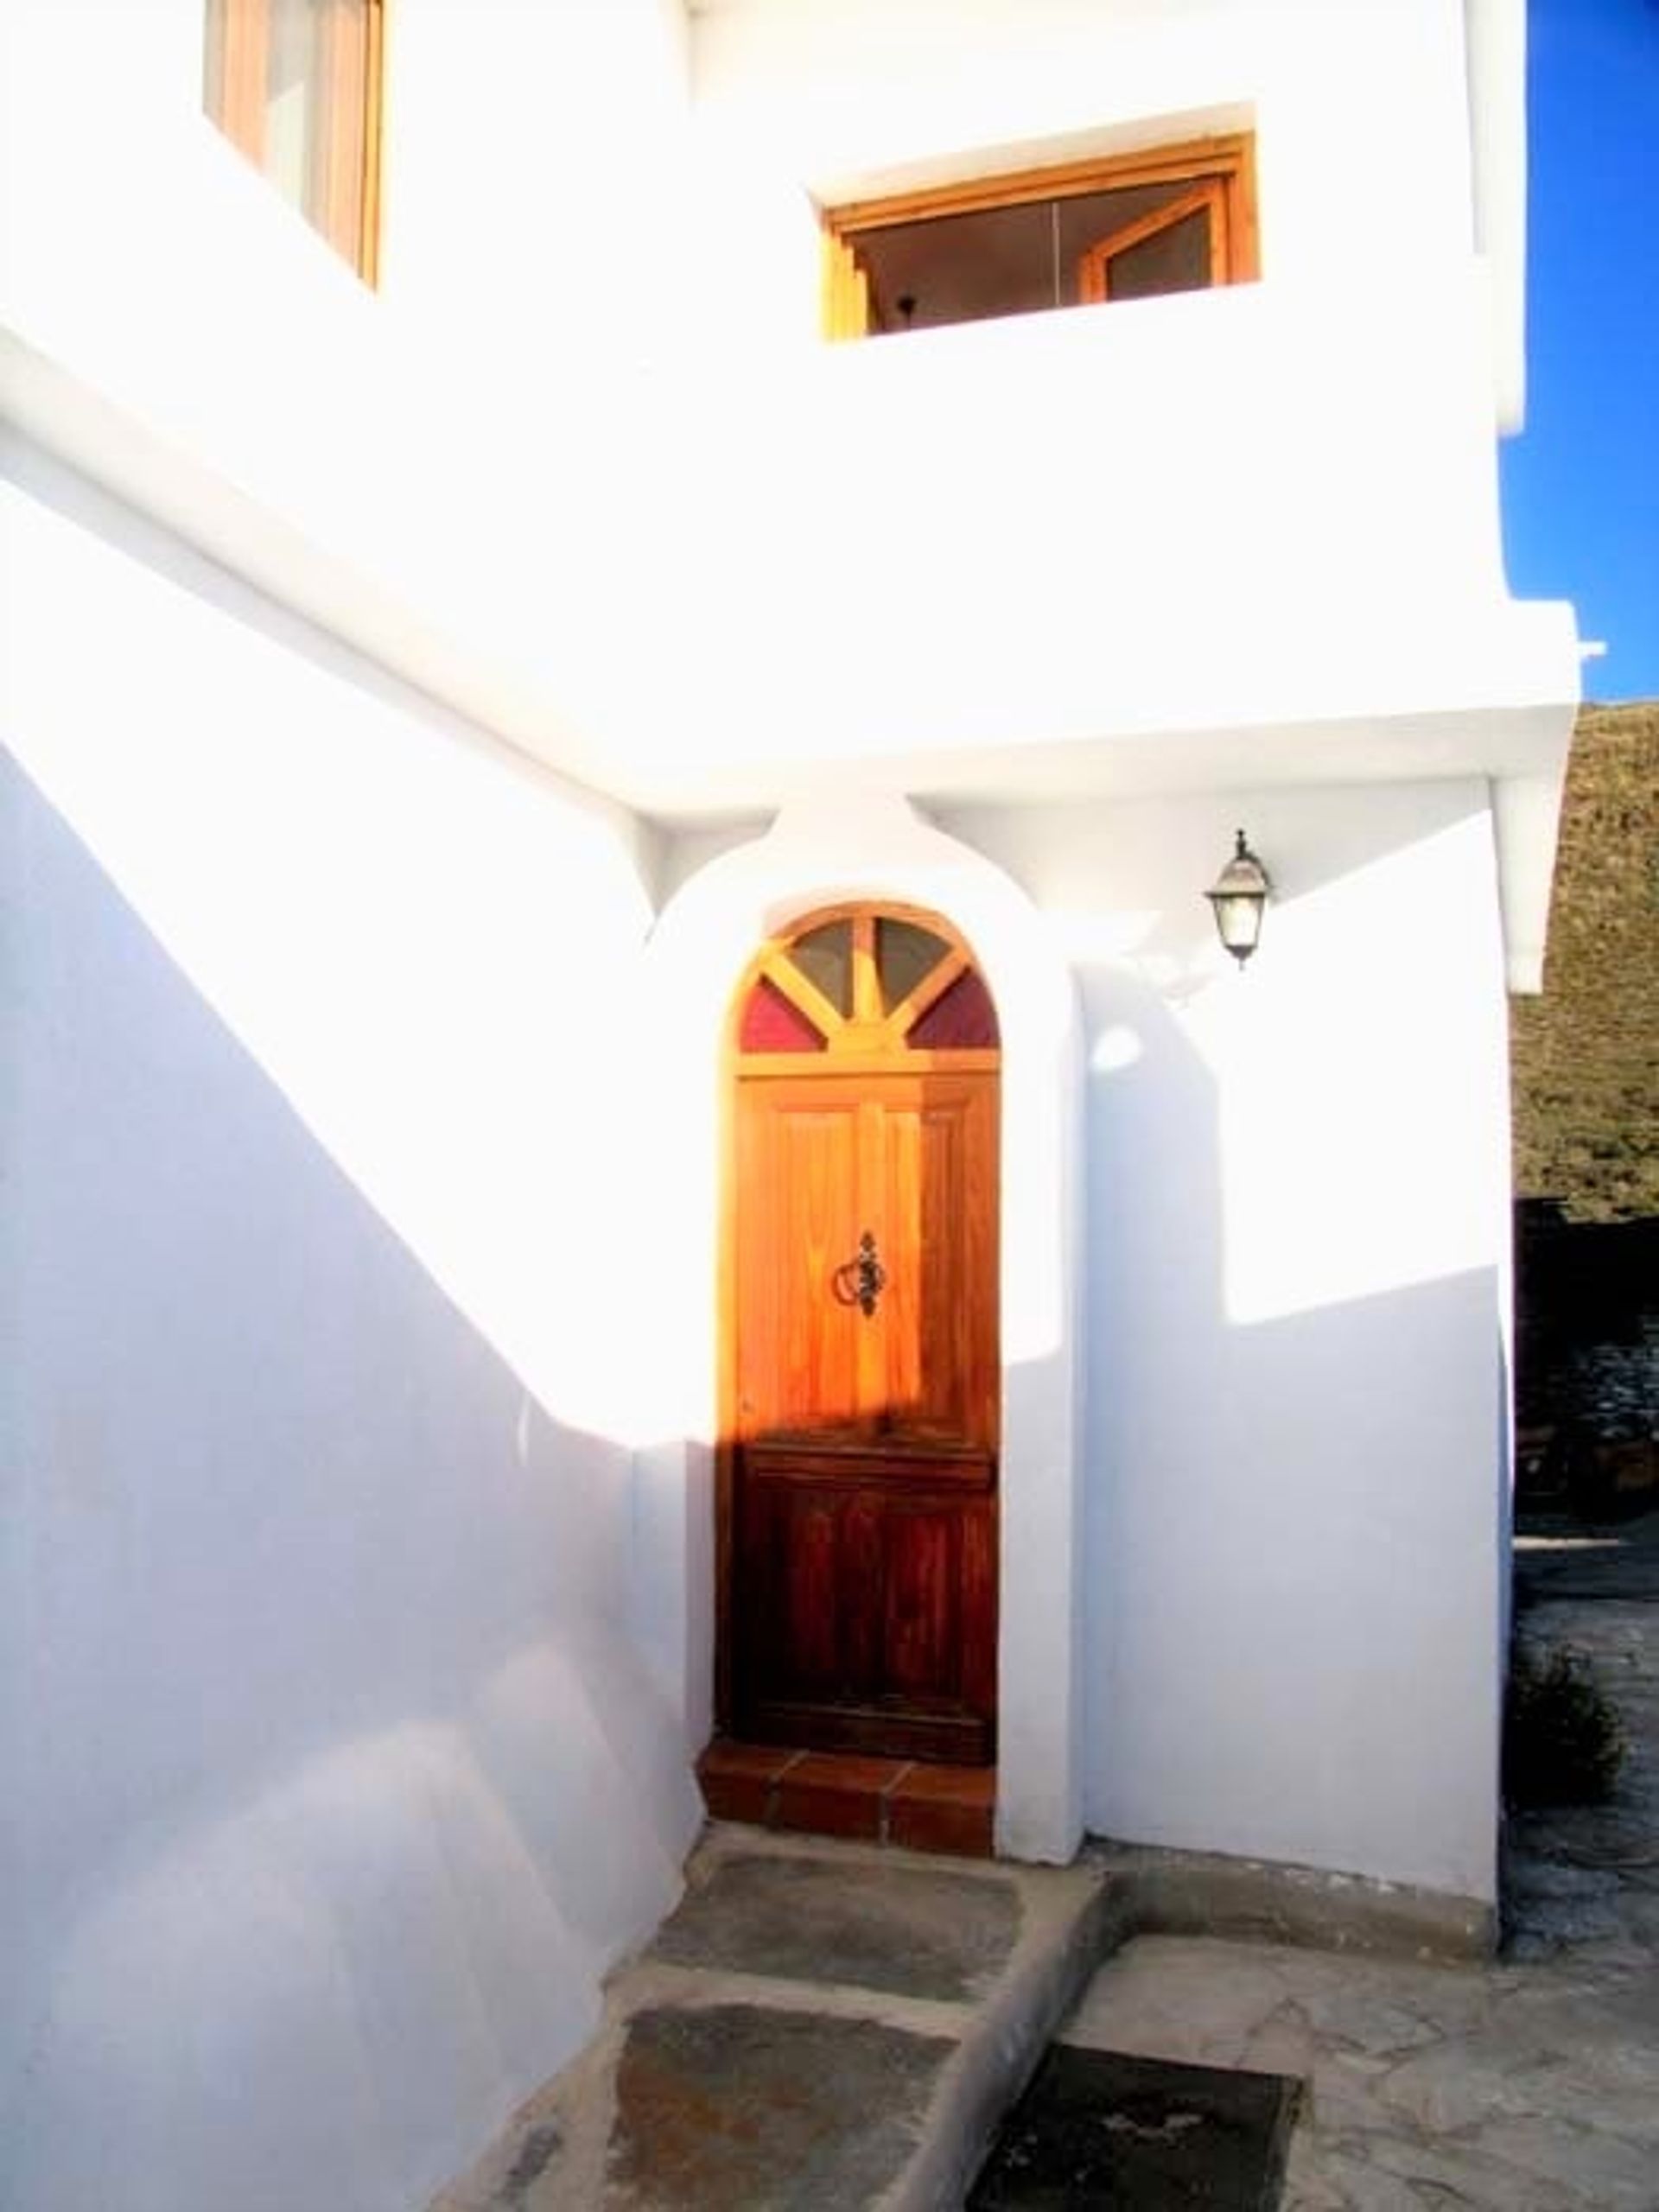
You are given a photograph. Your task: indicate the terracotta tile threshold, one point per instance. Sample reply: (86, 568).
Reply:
(903, 1801)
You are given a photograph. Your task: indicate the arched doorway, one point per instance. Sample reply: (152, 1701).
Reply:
(861, 1358)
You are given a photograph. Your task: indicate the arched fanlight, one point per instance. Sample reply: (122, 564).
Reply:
(1239, 896)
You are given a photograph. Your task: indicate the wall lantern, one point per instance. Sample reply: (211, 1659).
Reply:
(1239, 896)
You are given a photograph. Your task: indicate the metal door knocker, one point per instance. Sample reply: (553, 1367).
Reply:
(861, 1281)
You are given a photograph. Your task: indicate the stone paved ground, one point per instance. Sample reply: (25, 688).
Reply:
(1531, 2085)
(875, 2012)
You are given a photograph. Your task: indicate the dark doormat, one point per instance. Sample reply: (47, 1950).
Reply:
(1097, 2129)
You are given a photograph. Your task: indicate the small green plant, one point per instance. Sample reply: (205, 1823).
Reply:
(1563, 1741)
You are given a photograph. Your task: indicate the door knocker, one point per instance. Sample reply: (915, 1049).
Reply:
(861, 1281)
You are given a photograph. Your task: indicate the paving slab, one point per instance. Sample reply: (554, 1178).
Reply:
(1527, 2083)
(915, 1931)
(749, 2104)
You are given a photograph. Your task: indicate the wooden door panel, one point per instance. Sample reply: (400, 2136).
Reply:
(921, 1616)
(860, 1592)
(803, 1545)
(800, 1347)
(939, 1171)
(870, 1620)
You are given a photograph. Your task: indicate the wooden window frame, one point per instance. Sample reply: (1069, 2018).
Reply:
(867, 1040)
(349, 214)
(1095, 267)
(1221, 169)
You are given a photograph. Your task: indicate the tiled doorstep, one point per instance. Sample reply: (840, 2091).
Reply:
(919, 1807)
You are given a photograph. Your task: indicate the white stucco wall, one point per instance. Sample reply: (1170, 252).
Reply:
(1286, 1481)
(333, 1783)
(590, 406)
(1296, 1296)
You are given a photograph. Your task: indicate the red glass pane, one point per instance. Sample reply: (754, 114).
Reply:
(772, 1023)
(960, 1019)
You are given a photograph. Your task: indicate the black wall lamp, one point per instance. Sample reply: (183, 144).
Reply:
(1239, 898)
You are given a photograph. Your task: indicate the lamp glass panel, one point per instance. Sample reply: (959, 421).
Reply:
(1239, 919)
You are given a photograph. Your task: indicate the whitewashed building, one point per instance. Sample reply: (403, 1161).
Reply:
(915, 474)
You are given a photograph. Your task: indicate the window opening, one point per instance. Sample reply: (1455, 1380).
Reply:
(1178, 219)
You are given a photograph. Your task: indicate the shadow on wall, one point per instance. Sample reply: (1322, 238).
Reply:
(334, 1784)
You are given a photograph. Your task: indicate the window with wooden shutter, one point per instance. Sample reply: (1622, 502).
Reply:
(1172, 219)
(296, 85)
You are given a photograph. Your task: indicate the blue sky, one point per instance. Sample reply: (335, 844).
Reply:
(1581, 482)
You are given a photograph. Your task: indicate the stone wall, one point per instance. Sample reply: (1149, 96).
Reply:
(1584, 1054)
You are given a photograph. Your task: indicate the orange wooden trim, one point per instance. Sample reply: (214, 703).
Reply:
(846, 289)
(335, 186)
(1094, 281)
(350, 68)
(1225, 164)
(972, 1059)
(1243, 241)
(857, 1037)
(374, 125)
(237, 100)
(1195, 157)
(867, 979)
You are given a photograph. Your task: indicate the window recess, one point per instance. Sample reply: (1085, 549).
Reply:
(296, 85)
(1175, 219)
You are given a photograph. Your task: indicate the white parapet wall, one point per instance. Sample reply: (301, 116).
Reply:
(333, 1783)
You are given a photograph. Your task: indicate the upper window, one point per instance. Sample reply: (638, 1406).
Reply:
(295, 84)
(1177, 219)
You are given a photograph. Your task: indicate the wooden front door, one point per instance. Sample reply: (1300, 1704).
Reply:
(860, 1535)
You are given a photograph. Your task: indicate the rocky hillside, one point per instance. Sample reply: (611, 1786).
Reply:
(1585, 1056)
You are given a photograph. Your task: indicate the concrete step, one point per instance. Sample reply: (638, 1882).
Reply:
(823, 2027)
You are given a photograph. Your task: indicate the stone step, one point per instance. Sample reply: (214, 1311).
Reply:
(818, 2025)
